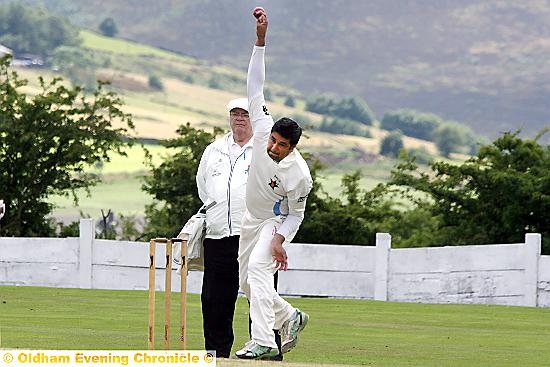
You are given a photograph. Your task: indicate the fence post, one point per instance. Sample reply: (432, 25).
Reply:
(86, 240)
(533, 248)
(383, 245)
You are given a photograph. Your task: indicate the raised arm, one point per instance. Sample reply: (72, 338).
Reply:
(259, 116)
(256, 68)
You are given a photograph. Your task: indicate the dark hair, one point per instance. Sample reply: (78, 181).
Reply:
(288, 129)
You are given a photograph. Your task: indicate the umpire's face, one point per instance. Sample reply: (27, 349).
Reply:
(278, 147)
(239, 120)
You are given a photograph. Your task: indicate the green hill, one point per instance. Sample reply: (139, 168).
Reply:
(480, 62)
(189, 96)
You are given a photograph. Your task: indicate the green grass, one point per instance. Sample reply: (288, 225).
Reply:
(98, 42)
(351, 332)
(122, 194)
(120, 189)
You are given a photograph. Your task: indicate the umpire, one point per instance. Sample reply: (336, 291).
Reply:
(221, 178)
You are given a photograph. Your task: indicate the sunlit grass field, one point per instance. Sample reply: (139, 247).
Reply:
(97, 41)
(347, 332)
(122, 181)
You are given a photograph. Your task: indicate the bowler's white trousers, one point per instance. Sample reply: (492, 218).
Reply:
(268, 310)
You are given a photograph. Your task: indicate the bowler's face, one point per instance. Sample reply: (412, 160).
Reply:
(278, 147)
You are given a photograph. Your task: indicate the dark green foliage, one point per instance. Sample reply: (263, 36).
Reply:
(108, 27)
(392, 144)
(421, 154)
(320, 104)
(343, 126)
(27, 30)
(173, 184)
(411, 123)
(47, 141)
(354, 221)
(494, 197)
(450, 137)
(290, 101)
(353, 108)
(155, 83)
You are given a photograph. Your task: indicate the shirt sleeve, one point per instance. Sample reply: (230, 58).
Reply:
(201, 176)
(296, 208)
(261, 120)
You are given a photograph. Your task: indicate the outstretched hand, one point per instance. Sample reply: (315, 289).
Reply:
(278, 252)
(261, 25)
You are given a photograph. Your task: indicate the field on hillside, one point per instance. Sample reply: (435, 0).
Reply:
(347, 332)
(189, 97)
(121, 188)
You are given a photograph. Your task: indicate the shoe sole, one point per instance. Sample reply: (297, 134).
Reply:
(263, 356)
(269, 356)
(285, 348)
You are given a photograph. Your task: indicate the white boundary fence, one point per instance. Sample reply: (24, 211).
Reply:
(506, 274)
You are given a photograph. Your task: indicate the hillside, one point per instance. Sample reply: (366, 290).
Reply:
(157, 114)
(481, 62)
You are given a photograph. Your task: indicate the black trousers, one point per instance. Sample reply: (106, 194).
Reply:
(220, 287)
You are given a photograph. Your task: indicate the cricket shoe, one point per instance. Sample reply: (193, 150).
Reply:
(291, 328)
(253, 350)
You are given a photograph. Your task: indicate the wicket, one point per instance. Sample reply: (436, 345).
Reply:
(167, 291)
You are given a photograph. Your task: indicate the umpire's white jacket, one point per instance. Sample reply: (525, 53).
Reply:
(219, 181)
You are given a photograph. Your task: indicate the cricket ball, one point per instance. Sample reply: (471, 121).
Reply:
(258, 11)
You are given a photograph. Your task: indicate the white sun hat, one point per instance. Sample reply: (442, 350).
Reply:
(238, 103)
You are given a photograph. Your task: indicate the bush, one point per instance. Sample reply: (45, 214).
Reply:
(345, 127)
(392, 144)
(155, 83)
(290, 101)
(108, 27)
(353, 108)
(411, 123)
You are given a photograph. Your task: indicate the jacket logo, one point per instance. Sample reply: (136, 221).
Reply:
(273, 184)
(265, 110)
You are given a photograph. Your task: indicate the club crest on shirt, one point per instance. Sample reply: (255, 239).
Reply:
(264, 107)
(273, 183)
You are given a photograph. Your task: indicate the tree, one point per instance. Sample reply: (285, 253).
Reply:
(419, 125)
(155, 83)
(352, 108)
(48, 140)
(449, 138)
(354, 219)
(173, 184)
(290, 101)
(392, 144)
(494, 197)
(108, 27)
(28, 30)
